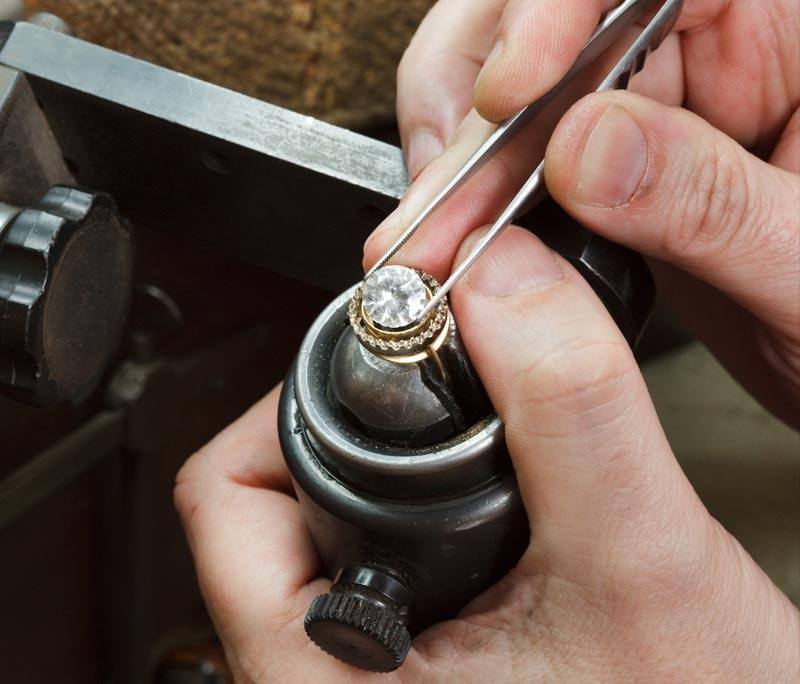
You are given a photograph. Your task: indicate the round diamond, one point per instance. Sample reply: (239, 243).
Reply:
(394, 297)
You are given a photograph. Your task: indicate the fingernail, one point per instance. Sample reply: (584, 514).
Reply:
(423, 147)
(518, 262)
(614, 160)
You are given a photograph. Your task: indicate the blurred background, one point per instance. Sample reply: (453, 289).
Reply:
(96, 584)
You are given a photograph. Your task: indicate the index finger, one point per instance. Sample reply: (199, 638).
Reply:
(535, 44)
(437, 73)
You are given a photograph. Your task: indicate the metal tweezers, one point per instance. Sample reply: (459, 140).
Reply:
(611, 29)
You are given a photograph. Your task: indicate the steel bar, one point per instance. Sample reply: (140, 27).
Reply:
(270, 186)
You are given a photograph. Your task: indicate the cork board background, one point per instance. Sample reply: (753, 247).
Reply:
(333, 59)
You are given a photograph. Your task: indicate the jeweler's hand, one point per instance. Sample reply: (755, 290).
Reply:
(679, 187)
(628, 578)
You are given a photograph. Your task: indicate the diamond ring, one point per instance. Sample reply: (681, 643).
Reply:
(384, 312)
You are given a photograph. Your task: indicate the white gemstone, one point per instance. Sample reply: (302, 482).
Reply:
(394, 297)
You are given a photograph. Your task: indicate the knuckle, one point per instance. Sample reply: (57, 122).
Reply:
(186, 495)
(717, 207)
(582, 378)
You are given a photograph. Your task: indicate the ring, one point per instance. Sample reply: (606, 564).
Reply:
(384, 309)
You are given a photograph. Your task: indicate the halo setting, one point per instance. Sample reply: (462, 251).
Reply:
(384, 314)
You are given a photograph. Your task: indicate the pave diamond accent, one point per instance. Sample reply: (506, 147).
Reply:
(394, 297)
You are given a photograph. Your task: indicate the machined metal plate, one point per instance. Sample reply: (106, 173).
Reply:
(270, 186)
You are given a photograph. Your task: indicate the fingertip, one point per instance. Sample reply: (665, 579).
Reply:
(507, 82)
(601, 155)
(536, 43)
(516, 269)
(563, 155)
(493, 97)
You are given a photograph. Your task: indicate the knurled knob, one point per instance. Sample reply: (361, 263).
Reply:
(66, 270)
(359, 629)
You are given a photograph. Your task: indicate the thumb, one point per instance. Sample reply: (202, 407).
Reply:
(595, 471)
(663, 181)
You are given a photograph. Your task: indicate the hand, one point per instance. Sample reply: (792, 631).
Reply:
(675, 186)
(629, 578)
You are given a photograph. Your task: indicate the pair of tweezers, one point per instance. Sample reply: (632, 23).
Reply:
(611, 29)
